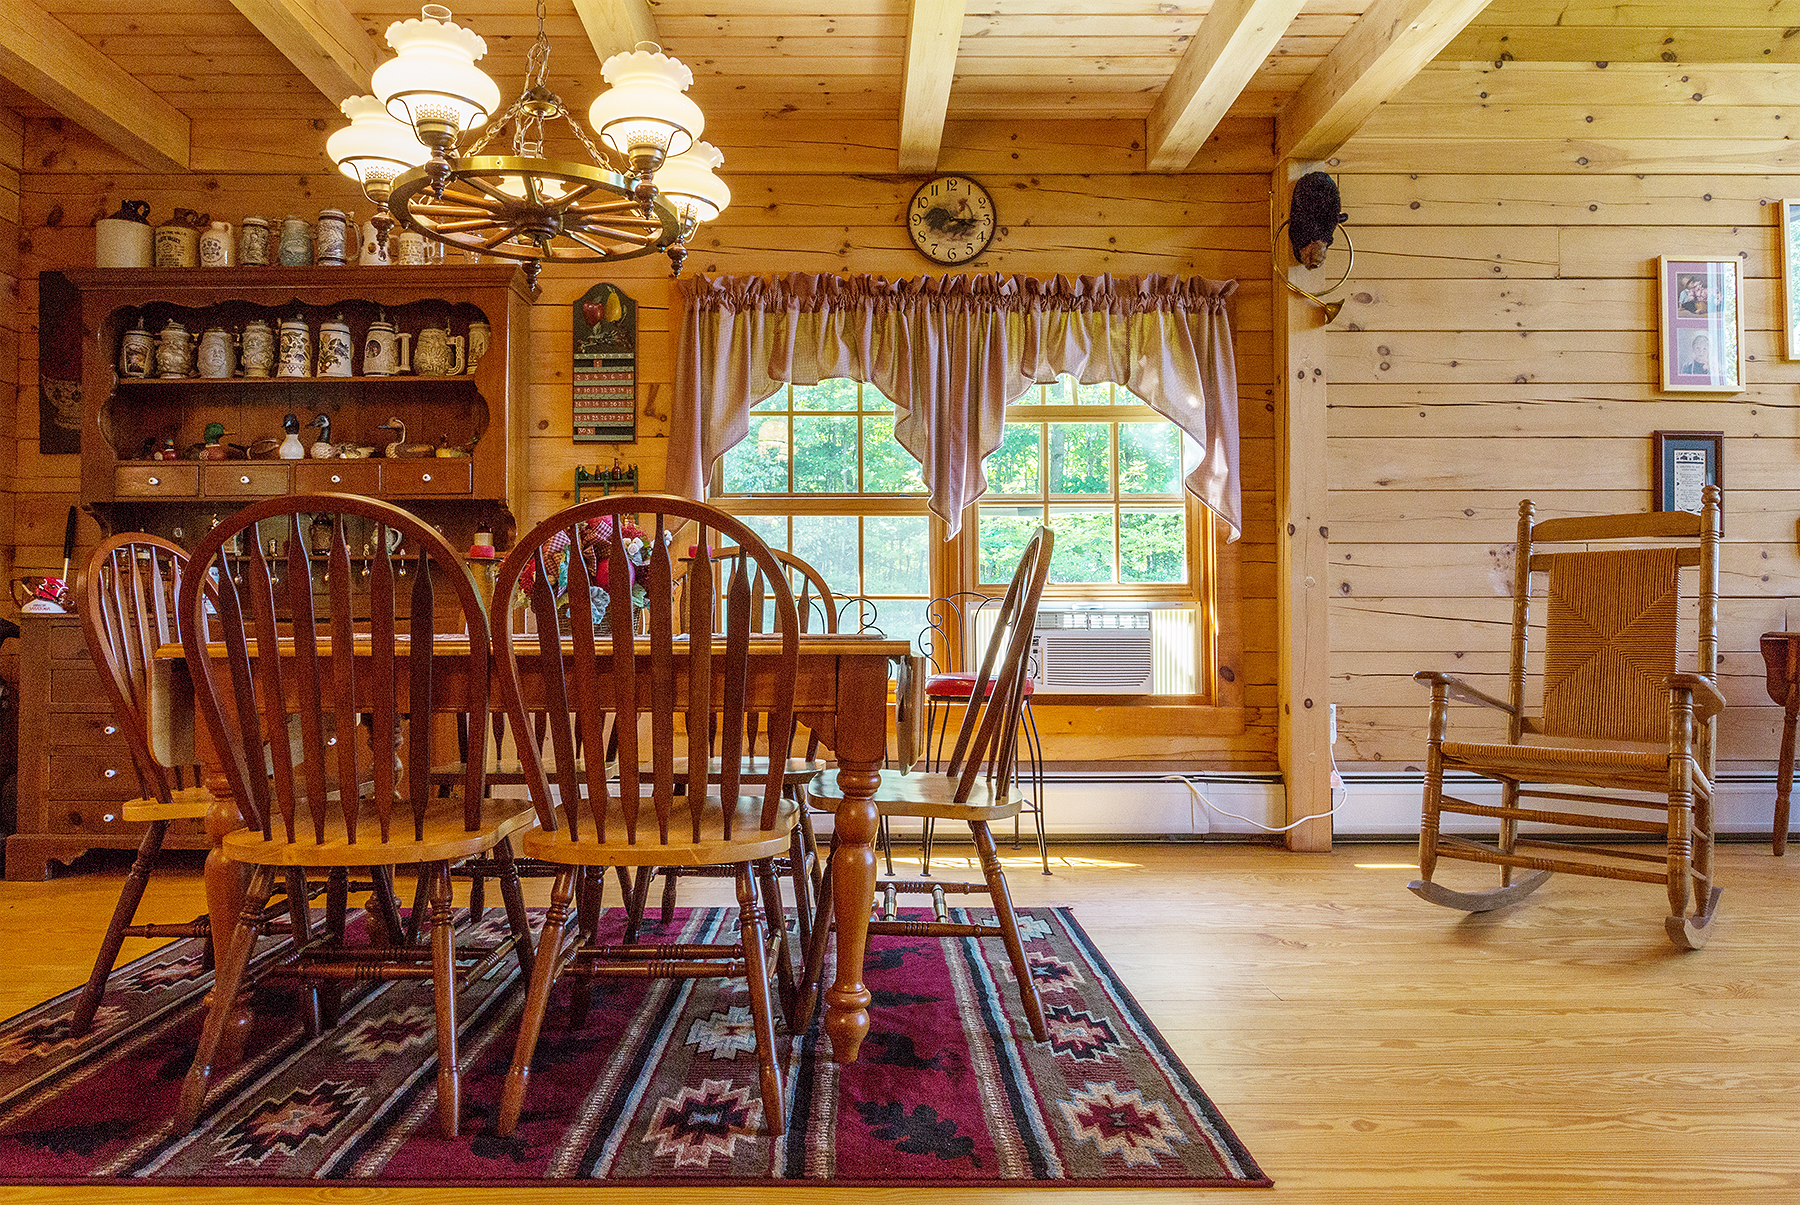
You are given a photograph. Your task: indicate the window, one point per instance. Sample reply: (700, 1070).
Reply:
(1104, 472)
(821, 475)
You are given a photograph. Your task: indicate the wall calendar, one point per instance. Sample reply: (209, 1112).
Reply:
(605, 368)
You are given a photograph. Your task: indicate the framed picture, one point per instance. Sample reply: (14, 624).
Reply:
(1790, 276)
(1702, 325)
(1684, 463)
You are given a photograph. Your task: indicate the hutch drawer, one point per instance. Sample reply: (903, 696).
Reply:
(246, 479)
(435, 476)
(157, 481)
(337, 477)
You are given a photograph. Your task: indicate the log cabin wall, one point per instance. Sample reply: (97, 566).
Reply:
(1500, 342)
(831, 205)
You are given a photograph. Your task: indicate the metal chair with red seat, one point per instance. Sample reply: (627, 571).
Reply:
(951, 624)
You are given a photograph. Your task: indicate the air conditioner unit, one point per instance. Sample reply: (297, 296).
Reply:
(1108, 649)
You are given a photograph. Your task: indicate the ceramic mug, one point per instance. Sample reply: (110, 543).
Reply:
(217, 358)
(331, 239)
(335, 348)
(296, 247)
(293, 355)
(432, 353)
(480, 335)
(253, 243)
(258, 348)
(385, 350)
(412, 247)
(172, 352)
(137, 352)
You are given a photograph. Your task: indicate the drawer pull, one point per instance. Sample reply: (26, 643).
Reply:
(109, 818)
(112, 774)
(425, 477)
(156, 481)
(245, 480)
(110, 729)
(336, 480)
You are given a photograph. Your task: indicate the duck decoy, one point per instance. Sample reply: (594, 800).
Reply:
(211, 447)
(291, 447)
(400, 449)
(323, 448)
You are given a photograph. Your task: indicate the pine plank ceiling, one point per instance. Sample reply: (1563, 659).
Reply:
(1302, 73)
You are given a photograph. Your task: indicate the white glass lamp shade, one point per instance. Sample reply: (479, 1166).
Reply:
(374, 147)
(687, 182)
(434, 85)
(645, 115)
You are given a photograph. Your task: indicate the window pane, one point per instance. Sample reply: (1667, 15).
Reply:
(1013, 467)
(772, 528)
(1061, 391)
(1084, 545)
(899, 560)
(874, 399)
(838, 393)
(1079, 458)
(825, 455)
(828, 544)
(895, 618)
(1100, 393)
(758, 464)
(1153, 544)
(1002, 532)
(1149, 458)
(888, 468)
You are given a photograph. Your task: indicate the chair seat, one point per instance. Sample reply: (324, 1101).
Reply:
(190, 803)
(748, 841)
(1548, 759)
(961, 686)
(800, 771)
(445, 840)
(925, 794)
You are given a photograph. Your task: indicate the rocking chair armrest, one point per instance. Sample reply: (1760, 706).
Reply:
(1458, 689)
(1708, 702)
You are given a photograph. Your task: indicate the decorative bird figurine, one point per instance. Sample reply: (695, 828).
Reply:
(323, 448)
(213, 448)
(291, 447)
(400, 449)
(447, 450)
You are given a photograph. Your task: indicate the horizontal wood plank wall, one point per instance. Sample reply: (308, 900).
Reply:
(790, 213)
(1500, 342)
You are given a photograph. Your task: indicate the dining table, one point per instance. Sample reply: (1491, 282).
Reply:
(840, 691)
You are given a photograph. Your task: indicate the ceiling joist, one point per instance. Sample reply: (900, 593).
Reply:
(933, 37)
(321, 38)
(1382, 52)
(615, 26)
(1229, 48)
(44, 57)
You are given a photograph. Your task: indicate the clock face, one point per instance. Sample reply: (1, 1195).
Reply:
(951, 219)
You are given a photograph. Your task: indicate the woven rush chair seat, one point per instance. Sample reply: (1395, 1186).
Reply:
(1616, 714)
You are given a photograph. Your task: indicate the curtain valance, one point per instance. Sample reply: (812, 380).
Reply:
(951, 352)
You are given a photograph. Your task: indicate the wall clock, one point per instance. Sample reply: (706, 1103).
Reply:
(951, 219)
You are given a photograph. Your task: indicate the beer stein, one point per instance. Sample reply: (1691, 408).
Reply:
(253, 243)
(137, 350)
(330, 238)
(385, 350)
(258, 347)
(172, 352)
(480, 334)
(412, 247)
(293, 354)
(335, 348)
(296, 247)
(432, 353)
(218, 354)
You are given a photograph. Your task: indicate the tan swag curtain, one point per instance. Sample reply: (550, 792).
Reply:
(951, 352)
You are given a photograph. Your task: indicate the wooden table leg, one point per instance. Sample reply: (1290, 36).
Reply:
(1784, 775)
(861, 746)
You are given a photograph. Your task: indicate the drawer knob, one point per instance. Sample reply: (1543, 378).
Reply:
(244, 480)
(109, 818)
(156, 481)
(112, 774)
(425, 477)
(335, 479)
(111, 729)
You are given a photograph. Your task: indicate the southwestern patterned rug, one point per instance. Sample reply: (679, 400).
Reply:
(658, 1086)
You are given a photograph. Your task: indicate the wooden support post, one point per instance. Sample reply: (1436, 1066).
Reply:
(1302, 543)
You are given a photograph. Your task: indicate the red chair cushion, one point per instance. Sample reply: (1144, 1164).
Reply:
(961, 686)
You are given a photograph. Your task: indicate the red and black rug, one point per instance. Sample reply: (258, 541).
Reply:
(658, 1086)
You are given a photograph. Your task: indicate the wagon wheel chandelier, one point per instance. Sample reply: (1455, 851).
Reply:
(649, 184)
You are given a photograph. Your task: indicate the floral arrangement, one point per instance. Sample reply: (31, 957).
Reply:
(596, 536)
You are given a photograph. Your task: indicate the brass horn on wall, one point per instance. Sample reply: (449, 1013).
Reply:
(1313, 220)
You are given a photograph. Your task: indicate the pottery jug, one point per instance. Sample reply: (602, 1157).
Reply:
(137, 350)
(385, 350)
(172, 351)
(218, 354)
(374, 251)
(123, 240)
(432, 354)
(253, 243)
(480, 335)
(216, 250)
(330, 238)
(293, 354)
(335, 348)
(296, 242)
(177, 246)
(258, 348)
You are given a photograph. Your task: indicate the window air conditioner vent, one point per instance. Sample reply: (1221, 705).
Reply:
(1109, 650)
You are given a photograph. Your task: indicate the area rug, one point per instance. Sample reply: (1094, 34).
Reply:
(658, 1086)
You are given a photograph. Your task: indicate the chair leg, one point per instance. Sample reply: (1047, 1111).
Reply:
(887, 844)
(226, 981)
(815, 867)
(589, 885)
(1009, 928)
(545, 965)
(670, 879)
(415, 919)
(300, 917)
(756, 973)
(387, 904)
(337, 910)
(123, 913)
(443, 977)
(813, 975)
(477, 898)
(798, 871)
(927, 830)
(517, 919)
(777, 915)
(636, 899)
(1035, 747)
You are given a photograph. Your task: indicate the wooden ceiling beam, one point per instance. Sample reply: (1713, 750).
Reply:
(1233, 41)
(933, 38)
(321, 38)
(614, 26)
(1382, 52)
(44, 57)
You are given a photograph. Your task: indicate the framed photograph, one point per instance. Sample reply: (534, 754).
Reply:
(1702, 325)
(1790, 276)
(1684, 463)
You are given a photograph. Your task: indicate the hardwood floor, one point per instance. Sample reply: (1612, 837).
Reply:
(1367, 1046)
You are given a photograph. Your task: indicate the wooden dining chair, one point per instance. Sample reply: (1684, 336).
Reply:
(306, 664)
(127, 611)
(1616, 714)
(976, 785)
(588, 821)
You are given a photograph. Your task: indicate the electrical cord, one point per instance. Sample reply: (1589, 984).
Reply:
(1338, 794)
